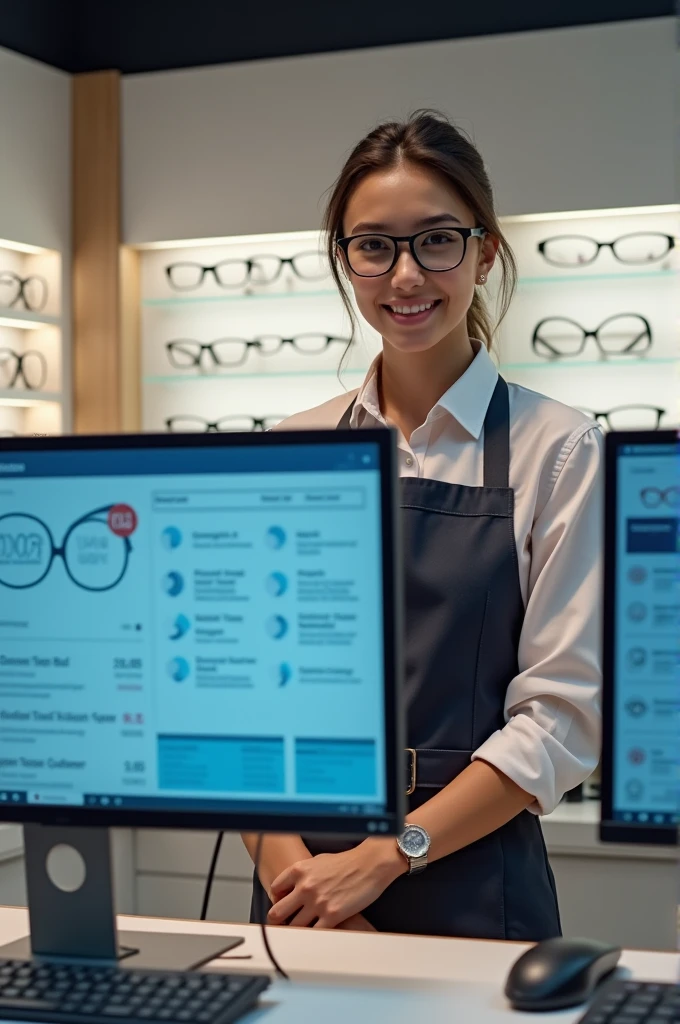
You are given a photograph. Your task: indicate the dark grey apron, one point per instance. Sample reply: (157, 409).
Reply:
(464, 614)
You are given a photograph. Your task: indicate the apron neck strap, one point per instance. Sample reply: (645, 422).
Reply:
(496, 435)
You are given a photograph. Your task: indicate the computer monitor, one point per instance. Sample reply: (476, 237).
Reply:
(641, 703)
(200, 631)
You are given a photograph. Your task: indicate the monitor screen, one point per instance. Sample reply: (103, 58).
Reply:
(642, 637)
(200, 628)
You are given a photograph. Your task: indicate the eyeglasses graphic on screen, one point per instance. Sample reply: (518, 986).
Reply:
(29, 367)
(186, 354)
(655, 497)
(558, 337)
(636, 249)
(628, 417)
(198, 425)
(437, 249)
(32, 291)
(95, 549)
(234, 273)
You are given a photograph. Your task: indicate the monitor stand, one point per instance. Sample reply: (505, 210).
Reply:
(79, 925)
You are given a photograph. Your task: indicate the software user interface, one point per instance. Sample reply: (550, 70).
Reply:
(193, 628)
(647, 632)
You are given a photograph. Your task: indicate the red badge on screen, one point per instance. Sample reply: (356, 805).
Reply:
(122, 520)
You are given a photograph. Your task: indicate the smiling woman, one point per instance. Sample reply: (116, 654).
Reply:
(500, 498)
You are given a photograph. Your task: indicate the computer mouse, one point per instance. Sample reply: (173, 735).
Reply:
(558, 973)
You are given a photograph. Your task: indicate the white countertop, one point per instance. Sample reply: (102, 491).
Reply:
(364, 978)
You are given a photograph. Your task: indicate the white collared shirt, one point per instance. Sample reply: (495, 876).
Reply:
(551, 739)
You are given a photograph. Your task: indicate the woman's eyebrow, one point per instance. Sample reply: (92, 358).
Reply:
(426, 222)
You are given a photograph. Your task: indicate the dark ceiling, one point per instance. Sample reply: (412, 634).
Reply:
(153, 35)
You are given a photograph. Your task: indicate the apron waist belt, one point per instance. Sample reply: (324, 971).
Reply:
(433, 768)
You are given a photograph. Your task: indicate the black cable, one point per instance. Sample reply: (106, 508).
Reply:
(211, 876)
(262, 912)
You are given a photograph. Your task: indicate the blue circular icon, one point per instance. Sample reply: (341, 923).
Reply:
(276, 537)
(283, 674)
(179, 627)
(173, 583)
(277, 627)
(178, 669)
(277, 584)
(171, 537)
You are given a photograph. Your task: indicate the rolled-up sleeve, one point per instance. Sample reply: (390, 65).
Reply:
(551, 740)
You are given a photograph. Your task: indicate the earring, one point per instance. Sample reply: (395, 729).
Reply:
(482, 279)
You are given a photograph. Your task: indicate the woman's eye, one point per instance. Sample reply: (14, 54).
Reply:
(439, 238)
(372, 245)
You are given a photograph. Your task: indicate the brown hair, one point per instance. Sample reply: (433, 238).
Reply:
(427, 138)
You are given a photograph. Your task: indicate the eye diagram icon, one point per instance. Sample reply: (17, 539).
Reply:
(173, 583)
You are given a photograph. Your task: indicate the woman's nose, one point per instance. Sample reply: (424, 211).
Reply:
(406, 271)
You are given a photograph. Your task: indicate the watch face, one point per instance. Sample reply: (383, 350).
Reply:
(414, 843)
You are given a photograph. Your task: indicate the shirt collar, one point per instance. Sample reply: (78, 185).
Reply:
(467, 400)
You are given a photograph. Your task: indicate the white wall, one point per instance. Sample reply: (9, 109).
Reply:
(577, 118)
(35, 145)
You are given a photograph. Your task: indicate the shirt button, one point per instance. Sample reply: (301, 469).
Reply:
(409, 460)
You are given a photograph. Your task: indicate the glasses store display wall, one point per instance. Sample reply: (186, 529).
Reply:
(240, 333)
(31, 354)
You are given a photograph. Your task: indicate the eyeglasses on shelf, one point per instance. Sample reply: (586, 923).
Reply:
(198, 425)
(30, 367)
(185, 353)
(628, 417)
(558, 337)
(436, 249)
(32, 291)
(257, 270)
(636, 249)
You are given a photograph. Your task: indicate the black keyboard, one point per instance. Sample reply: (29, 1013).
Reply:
(635, 1002)
(75, 994)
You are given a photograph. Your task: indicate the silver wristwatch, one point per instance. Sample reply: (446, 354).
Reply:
(414, 843)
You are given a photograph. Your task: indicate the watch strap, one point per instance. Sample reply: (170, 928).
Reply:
(417, 864)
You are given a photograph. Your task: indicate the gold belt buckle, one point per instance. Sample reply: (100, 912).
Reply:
(412, 780)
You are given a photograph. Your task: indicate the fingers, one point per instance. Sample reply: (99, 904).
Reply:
(303, 919)
(285, 908)
(284, 882)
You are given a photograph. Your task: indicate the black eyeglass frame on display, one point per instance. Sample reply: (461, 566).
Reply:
(604, 416)
(248, 265)
(261, 345)
(465, 233)
(20, 371)
(553, 353)
(214, 427)
(670, 240)
(21, 284)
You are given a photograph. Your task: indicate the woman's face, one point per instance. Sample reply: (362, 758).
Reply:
(403, 201)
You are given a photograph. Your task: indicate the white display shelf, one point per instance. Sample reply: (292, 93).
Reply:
(587, 278)
(26, 320)
(594, 364)
(257, 375)
(25, 399)
(197, 300)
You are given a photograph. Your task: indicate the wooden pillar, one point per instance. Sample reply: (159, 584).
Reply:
(102, 361)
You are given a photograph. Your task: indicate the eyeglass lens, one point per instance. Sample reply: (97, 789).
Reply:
(373, 255)
(29, 367)
(635, 249)
(628, 334)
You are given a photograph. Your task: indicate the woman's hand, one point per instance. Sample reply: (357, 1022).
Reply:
(326, 890)
(357, 923)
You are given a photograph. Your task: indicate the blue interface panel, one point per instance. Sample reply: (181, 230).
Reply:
(647, 635)
(193, 628)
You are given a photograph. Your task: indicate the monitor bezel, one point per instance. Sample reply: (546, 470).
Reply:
(345, 826)
(612, 830)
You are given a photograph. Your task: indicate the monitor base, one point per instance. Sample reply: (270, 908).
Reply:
(158, 951)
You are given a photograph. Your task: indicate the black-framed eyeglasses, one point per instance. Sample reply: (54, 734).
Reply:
(636, 249)
(628, 417)
(28, 551)
(32, 291)
(29, 366)
(198, 425)
(654, 497)
(234, 273)
(558, 337)
(186, 354)
(436, 249)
